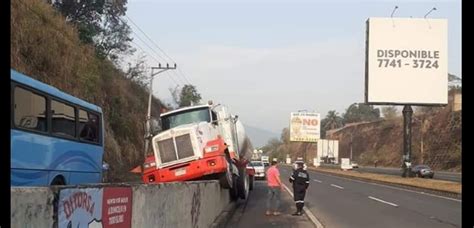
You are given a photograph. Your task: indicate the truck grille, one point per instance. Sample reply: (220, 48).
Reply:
(185, 148)
(167, 150)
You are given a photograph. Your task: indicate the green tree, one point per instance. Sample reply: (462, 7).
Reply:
(454, 82)
(272, 146)
(333, 120)
(323, 129)
(98, 23)
(361, 112)
(285, 136)
(389, 112)
(185, 96)
(137, 71)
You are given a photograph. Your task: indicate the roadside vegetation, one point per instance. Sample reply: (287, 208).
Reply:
(81, 48)
(378, 140)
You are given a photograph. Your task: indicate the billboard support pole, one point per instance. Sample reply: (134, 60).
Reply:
(407, 114)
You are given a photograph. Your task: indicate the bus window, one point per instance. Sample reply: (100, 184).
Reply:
(30, 110)
(88, 126)
(63, 119)
(42, 117)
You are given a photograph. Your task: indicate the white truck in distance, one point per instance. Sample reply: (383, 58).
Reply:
(265, 160)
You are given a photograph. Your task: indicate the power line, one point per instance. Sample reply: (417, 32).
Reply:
(176, 83)
(138, 27)
(153, 50)
(172, 78)
(156, 45)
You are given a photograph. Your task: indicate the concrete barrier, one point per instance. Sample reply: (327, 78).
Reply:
(189, 204)
(32, 207)
(180, 204)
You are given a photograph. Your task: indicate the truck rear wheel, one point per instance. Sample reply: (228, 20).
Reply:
(251, 180)
(243, 183)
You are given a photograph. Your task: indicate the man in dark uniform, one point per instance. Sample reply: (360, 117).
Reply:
(300, 181)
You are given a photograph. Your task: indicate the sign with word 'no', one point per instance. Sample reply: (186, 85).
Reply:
(305, 126)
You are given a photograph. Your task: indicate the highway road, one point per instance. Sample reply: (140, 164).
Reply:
(343, 202)
(450, 176)
(251, 213)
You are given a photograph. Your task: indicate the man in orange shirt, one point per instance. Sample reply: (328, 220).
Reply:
(274, 189)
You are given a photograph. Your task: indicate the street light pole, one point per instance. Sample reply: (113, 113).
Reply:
(148, 134)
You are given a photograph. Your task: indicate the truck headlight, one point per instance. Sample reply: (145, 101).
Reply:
(210, 149)
(149, 165)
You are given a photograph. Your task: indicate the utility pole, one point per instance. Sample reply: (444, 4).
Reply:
(148, 133)
(351, 146)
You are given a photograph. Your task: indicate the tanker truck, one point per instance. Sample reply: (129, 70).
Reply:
(201, 143)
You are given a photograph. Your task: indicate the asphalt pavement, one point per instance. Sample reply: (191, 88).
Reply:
(251, 213)
(440, 175)
(343, 202)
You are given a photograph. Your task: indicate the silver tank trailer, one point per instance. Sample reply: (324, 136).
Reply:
(245, 145)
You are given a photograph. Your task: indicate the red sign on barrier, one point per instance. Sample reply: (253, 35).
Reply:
(117, 207)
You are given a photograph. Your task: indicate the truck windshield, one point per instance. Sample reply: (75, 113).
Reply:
(185, 117)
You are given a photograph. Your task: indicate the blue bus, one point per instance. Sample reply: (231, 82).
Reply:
(56, 138)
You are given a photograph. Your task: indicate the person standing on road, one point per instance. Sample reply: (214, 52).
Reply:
(300, 181)
(274, 189)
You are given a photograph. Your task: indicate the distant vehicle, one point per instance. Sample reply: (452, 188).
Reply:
(259, 169)
(56, 138)
(354, 165)
(265, 160)
(423, 171)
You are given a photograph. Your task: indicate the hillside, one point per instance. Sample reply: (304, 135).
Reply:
(259, 136)
(48, 49)
(436, 141)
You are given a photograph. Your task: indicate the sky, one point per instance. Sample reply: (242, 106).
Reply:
(266, 58)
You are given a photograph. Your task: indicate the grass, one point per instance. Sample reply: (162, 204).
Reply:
(431, 184)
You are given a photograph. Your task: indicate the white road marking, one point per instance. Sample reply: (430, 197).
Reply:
(382, 201)
(310, 215)
(386, 186)
(337, 186)
(318, 181)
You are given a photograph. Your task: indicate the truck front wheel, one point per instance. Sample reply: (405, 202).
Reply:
(225, 179)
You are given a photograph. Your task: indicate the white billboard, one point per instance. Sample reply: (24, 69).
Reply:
(305, 126)
(406, 61)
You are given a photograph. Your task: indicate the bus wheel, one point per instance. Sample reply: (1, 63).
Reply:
(58, 180)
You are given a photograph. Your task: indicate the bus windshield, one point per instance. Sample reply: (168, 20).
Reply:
(186, 117)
